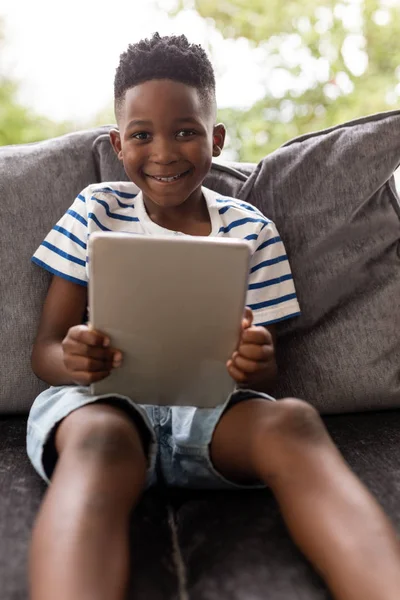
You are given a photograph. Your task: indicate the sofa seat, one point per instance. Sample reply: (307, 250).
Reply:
(203, 545)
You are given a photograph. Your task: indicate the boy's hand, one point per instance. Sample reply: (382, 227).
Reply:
(253, 363)
(88, 356)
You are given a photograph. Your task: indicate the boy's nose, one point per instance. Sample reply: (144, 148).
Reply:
(164, 153)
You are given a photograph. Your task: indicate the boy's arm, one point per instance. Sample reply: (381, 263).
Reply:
(65, 351)
(64, 307)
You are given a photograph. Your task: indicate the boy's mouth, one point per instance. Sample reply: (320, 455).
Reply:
(169, 178)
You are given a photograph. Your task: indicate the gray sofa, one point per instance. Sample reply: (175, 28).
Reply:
(334, 200)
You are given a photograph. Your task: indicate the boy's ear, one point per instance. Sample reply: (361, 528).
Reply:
(218, 139)
(115, 140)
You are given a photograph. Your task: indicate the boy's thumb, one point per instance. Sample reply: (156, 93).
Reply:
(247, 317)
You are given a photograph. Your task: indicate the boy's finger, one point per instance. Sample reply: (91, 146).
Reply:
(256, 352)
(256, 335)
(235, 373)
(79, 349)
(248, 366)
(247, 318)
(91, 337)
(117, 358)
(248, 314)
(87, 364)
(245, 324)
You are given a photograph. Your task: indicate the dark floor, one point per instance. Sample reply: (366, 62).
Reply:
(208, 545)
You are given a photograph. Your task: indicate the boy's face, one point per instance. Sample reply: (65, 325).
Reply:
(166, 140)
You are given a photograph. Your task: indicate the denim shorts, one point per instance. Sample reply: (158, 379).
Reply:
(179, 436)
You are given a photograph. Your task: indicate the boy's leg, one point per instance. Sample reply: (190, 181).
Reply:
(330, 514)
(79, 546)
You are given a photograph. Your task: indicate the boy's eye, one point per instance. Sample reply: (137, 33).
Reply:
(141, 135)
(185, 133)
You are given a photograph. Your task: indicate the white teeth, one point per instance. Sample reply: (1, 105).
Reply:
(167, 179)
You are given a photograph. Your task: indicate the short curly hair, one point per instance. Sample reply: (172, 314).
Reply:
(169, 57)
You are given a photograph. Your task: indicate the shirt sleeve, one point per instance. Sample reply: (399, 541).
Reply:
(64, 250)
(271, 293)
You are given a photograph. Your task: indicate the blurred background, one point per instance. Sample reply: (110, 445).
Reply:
(282, 68)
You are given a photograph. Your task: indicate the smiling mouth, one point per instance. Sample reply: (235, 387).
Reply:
(168, 179)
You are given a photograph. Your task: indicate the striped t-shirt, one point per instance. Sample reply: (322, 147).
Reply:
(119, 207)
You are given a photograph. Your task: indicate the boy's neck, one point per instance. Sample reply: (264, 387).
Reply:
(191, 217)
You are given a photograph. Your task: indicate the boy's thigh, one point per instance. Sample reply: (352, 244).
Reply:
(186, 450)
(232, 444)
(256, 434)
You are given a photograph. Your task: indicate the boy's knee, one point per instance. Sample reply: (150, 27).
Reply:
(299, 418)
(293, 420)
(102, 433)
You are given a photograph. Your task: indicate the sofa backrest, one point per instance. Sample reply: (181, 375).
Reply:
(37, 183)
(333, 198)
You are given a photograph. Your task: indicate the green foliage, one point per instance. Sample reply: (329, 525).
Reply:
(18, 124)
(105, 116)
(309, 45)
(312, 44)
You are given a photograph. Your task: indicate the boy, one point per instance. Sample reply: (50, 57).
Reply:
(100, 452)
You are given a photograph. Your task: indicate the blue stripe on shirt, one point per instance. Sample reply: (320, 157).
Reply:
(268, 282)
(70, 235)
(81, 197)
(268, 263)
(77, 216)
(117, 192)
(272, 302)
(251, 236)
(124, 204)
(99, 225)
(121, 204)
(240, 222)
(225, 209)
(40, 263)
(112, 215)
(273, 240)
(63, 254)
(235, 205)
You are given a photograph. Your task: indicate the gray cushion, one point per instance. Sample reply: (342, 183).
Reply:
(37, 184)
(333, 198)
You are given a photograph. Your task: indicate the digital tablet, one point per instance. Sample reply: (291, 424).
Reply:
(173, 305)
